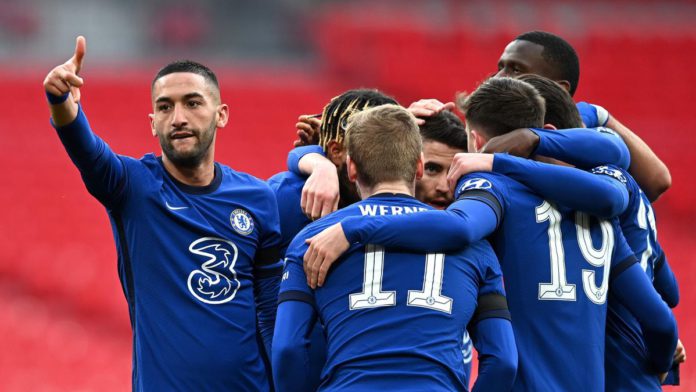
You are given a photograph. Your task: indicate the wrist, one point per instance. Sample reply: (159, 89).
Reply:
(56, 99)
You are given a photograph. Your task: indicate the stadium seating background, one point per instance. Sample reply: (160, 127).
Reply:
(63, 320)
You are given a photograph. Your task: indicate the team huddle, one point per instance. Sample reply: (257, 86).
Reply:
(398, 239)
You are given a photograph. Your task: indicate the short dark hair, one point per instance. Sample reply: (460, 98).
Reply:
(446, 128)
(190, 67)
(501, 105)
(558, 53)
(561, 111)
(335, 116)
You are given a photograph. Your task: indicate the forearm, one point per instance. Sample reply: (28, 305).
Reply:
(665, 282)
(101, 169)
(301, 160)
(466, 221)
(584, 148)
(291, 362)
(495, 343)
(649, 171)
(62, 113)
(633, 289)
(597, 195)
(266, 297)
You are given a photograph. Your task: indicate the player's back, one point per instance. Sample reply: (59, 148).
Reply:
(556, 266)
(395, 320)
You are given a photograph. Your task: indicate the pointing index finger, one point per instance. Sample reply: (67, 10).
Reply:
(79, 55)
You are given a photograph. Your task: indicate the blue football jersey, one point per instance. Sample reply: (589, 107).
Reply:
(557, 265)
(627, 363)
(191, 261)
(394, 320)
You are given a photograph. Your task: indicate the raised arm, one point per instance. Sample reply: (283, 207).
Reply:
(298, 164)
(646, 167)
(321, 192)
(102, 171)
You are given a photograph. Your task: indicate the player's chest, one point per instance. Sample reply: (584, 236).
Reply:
(171, 213)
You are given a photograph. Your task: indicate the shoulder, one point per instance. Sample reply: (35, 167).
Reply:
(481, 181)
(245, 182)
(613, 172)
(286, 182)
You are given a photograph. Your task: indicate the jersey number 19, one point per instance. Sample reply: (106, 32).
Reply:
(559, 289)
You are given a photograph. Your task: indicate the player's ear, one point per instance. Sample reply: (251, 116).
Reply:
(352, 169)
(420, 168)
(565, 84)
(223, 114)
(152, 124)
(550, 126)
(336, 153)
(478, 140)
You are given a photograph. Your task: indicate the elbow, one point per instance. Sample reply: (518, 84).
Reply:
(285, 352)
(671, 297)
(619, 155)
(613, 207)
(499, 375)
(508, 369)
(665, 333)
(660, 184)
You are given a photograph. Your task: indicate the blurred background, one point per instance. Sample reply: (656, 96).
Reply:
(63, 318)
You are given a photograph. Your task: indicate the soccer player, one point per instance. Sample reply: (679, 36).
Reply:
(291, 190)
(288, 186)
(394, 320)
(548, 55)
(197, 242)
(443, 136)
(627, 363)
(547, 252)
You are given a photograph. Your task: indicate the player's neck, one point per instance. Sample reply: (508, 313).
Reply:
(387, 187)
(200, 175)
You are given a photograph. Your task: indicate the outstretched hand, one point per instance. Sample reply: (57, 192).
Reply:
(64, 78)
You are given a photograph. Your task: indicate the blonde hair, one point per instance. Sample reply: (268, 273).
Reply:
(385, 144)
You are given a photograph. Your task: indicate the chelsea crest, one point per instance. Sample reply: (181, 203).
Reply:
(242, 222)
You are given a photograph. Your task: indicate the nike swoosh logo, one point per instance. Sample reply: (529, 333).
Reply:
(174, 208)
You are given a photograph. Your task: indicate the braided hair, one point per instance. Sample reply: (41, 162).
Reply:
(334, 119)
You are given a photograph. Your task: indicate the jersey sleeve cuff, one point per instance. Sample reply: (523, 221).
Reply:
(622, 266)
(295, 295)
(491, 306)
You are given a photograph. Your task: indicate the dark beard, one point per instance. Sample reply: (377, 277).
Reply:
(347, 189)
(194, 158)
